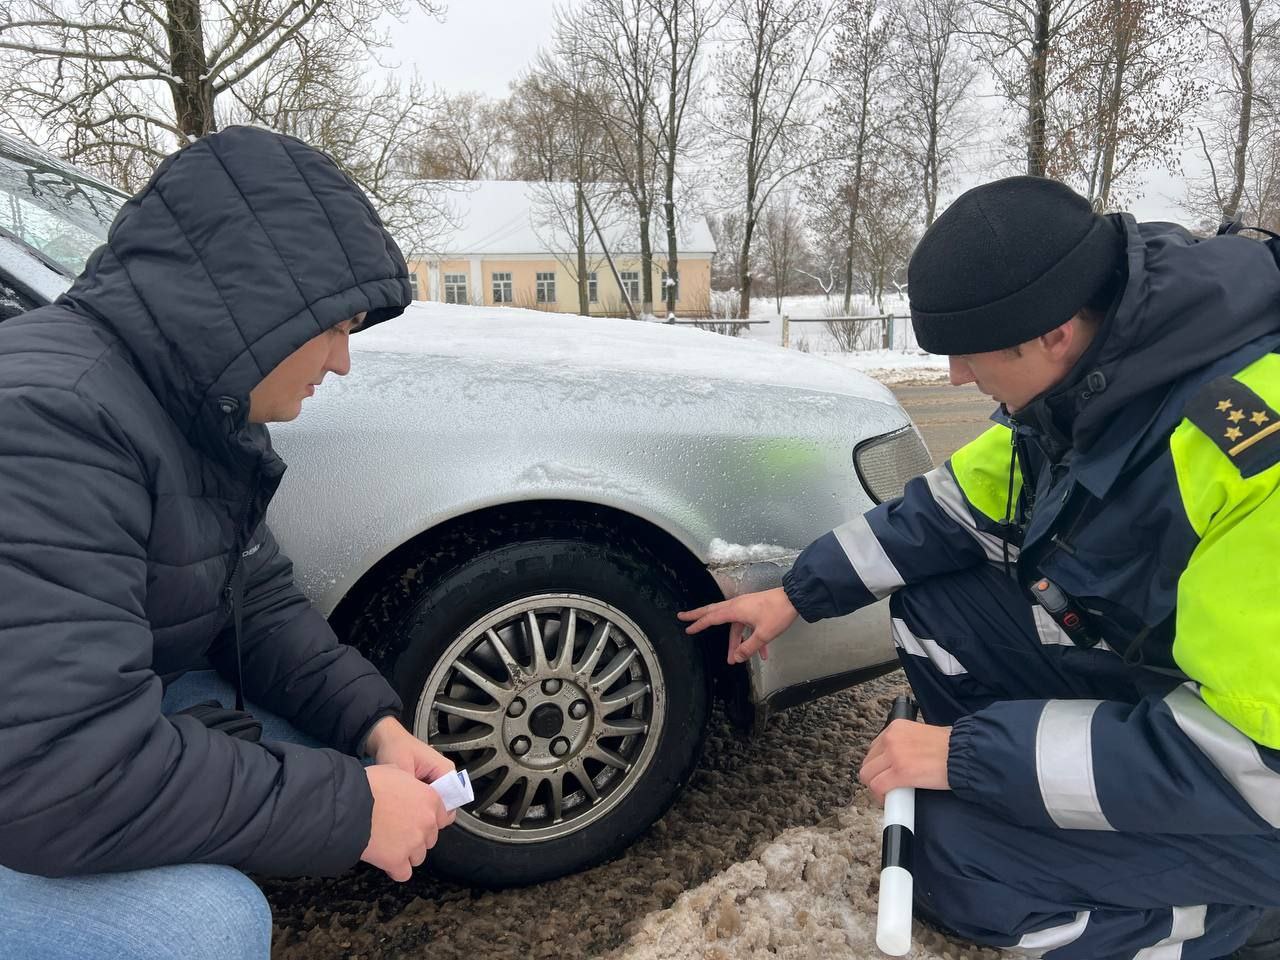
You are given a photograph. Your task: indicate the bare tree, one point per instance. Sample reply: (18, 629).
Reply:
(767, 72)
(726, 265)
(1021, 41)
(121, 82)
(933, 75)
(684, 24)
(1239, 145)
(782, 230)
(554, 110)
(463, 139)
(1131, 86)
(854, 125)
(617, 47)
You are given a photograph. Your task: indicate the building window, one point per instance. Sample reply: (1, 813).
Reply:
(546, 287)
(664, 286)
(631, 284)
(502, 288)
(593, 288)
(455, 288)
(413, 286)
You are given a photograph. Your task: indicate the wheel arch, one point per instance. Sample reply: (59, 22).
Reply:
(372, 603)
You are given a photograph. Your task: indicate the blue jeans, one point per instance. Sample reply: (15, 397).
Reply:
(182, 912)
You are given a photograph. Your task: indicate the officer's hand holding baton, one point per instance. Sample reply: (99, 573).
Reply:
(905, 756)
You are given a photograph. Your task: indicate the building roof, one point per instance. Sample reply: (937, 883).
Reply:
(496, 217)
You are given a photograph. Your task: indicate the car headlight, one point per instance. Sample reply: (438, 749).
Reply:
(887, 462)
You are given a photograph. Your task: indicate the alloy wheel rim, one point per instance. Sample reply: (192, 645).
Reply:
(554, 705)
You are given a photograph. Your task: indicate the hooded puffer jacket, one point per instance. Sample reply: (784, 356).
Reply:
(131, 485)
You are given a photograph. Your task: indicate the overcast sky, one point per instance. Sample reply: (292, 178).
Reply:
(483, 45)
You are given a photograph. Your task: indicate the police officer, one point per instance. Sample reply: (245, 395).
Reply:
(1086, 598)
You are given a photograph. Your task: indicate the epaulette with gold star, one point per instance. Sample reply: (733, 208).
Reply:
(1239, 421)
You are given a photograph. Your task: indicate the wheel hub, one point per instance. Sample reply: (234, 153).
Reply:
(546, 720)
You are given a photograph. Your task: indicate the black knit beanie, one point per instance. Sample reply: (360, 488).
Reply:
(1007, 262)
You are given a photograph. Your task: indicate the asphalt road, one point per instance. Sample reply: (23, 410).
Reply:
(948, 417)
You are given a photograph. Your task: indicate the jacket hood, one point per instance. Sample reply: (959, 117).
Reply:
(1187, 302)
(242, 247)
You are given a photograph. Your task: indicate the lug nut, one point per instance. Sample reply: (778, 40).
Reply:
(578, 709)
(559, 746)
(520, 746)
(551, 687)
(515, 708)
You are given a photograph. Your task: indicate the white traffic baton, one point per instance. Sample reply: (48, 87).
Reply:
(893, 918)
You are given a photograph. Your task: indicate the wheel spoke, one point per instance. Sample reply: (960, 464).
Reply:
(494, 689)
(470, 740)
(497, 789)
(489, 716)
(568, 632)
(521, 806)
(595, 647)
(607, 756)
(556, 779)
(629, 694)
(535, 644)
(514, 669)
(616, 668)
(494, 761)
(623, 727)
(588, 787)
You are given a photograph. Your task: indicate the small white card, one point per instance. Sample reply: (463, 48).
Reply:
(454, 789)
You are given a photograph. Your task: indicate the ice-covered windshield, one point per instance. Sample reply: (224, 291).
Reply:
(56, 211)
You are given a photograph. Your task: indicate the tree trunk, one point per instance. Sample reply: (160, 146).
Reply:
(584, 304)
(1232, 206)
(744, 270)
(931, 174)
(1037, 109)
(613, 267)
(646, 259)
(1120, 51)
(673, 254)
(192, 92)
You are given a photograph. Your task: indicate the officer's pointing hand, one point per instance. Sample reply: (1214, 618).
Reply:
(766, 614)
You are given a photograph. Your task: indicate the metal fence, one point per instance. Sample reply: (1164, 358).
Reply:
(852, 333)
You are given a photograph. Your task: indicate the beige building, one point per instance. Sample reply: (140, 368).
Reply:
(511, 247)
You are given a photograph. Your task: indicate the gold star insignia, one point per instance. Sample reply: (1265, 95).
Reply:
(1235, 416)
(1234, 433)
(1259, 417)
(1224, 406)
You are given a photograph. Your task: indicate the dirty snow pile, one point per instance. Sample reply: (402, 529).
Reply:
(810, 894)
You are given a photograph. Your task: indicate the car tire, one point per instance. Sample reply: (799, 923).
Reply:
(623, 601)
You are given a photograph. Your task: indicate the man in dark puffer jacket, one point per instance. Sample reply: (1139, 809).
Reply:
(134, 476)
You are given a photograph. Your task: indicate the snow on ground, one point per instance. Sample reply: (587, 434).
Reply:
(906, 361)
(809, 894)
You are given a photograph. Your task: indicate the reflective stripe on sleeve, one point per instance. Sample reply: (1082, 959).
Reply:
(1064, 765)
(867, 557)
(948, 495)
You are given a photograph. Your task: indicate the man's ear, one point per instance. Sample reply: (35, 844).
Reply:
(1057, 343)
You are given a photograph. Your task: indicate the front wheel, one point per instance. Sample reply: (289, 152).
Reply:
(556, 673)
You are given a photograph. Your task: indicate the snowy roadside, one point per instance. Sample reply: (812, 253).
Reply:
(809, 894)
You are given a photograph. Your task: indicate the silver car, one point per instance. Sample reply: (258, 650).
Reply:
(504, 510)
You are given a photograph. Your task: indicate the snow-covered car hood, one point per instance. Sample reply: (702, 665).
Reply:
(593, 344)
